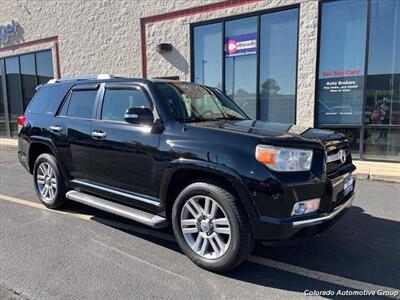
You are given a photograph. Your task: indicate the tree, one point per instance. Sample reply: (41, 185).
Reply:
(270, 87)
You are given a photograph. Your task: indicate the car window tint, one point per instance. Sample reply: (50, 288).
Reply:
(64, 108)
(116, 102)
(81, 104)
(43, 98)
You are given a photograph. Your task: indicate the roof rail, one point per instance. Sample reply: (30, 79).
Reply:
(105, 76)
(100, 76)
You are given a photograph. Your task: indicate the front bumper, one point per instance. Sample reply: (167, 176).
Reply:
(327, 217)
(279, 230)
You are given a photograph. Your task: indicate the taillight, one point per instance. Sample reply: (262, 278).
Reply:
(21, 120)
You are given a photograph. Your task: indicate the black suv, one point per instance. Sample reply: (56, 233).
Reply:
(169, 152)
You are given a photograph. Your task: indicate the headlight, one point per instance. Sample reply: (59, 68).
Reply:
(284, 159)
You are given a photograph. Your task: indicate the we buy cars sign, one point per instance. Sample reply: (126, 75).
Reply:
(240, 45)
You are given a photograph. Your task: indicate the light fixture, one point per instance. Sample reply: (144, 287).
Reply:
(164, 47)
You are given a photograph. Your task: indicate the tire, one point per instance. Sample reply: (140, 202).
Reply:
(213, 227)
(52, 180)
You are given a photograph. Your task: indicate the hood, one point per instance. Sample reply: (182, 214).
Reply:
(275, 130)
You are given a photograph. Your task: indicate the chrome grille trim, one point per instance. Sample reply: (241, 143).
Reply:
(336, 156)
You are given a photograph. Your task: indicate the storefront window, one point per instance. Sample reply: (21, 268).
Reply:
(383, 80)
(44, 65)
(342, 99)
(341, 62)
(28, 77)
(278, 48)
(2, 116)
(229, 53)
(382, 108)
(241, 63)
(23, 74)
(207, 55)
(382, 143)
(14, 91)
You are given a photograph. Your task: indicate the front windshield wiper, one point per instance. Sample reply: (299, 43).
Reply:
(194, 120)
(229, 118)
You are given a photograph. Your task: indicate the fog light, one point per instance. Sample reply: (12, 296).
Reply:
(305, 207)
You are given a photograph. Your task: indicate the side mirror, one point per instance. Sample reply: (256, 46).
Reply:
(139, 116)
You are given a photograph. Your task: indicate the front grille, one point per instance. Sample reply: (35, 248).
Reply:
(334, 165)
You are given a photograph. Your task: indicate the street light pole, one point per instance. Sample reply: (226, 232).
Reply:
(203, 61)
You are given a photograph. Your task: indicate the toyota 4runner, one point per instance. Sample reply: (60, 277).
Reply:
(168, 152)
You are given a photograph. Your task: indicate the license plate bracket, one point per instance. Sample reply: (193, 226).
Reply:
(347, 185)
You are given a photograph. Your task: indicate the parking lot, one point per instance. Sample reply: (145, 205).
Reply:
(83, 253)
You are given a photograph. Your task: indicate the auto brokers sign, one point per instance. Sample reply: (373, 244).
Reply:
(8, 31)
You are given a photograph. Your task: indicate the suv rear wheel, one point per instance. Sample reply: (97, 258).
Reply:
(48, 181)
(211, 227)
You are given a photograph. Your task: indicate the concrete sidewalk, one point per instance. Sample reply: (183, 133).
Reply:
(9, 143)
(365, 169)
(378, 170)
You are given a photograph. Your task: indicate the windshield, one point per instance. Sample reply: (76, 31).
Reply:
(190, 102)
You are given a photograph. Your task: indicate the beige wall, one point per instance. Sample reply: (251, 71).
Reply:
(104, 37)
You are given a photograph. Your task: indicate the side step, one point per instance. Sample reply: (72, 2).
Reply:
(137, 215)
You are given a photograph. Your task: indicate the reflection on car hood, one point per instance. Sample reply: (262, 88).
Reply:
(271, 129)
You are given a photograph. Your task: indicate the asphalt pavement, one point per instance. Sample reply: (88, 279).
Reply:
(83, 253)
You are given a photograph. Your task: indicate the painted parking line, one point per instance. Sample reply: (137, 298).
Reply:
(316, 275)
(88, 217)
(41, 206)
(326, 277)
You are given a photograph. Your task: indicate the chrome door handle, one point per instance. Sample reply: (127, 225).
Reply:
(99, 134)
(55, 128)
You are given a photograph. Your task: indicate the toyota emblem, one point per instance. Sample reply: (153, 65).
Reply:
(342, 156)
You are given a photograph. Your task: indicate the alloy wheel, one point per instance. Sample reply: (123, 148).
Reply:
(46, 181)
(205, 227)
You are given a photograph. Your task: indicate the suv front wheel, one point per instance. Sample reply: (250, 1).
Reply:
(211, 227)
(48, 181)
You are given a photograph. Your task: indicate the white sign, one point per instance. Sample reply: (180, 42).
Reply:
(7, 31)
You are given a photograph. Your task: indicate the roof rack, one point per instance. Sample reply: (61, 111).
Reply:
(100, 76)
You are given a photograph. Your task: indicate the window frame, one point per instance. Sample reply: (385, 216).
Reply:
(362, 127)
(121, 86)
(257, 14)
(133, 88)
(66, 100)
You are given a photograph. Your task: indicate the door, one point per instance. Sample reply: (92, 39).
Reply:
(123, 154)
(71, 130)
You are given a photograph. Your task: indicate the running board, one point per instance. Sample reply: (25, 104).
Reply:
(137, 215)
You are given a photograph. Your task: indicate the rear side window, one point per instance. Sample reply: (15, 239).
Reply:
(116, 102)
(80, 104)
(45, 95)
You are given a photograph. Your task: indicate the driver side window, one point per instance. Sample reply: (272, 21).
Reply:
(117, 101)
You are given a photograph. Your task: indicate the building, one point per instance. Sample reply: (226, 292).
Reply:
(329, 64)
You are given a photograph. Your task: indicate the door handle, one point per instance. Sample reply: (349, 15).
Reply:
(99, 134)
(55, 128)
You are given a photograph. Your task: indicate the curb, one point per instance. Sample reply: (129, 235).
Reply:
(377, 177)
(377, 171)
(8, 143)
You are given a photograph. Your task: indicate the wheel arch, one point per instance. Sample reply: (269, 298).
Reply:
(184, 172)
(38, 146)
